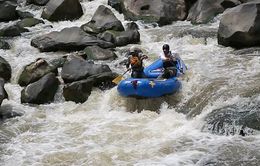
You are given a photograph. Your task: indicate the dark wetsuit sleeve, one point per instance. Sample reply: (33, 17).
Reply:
(128, 63)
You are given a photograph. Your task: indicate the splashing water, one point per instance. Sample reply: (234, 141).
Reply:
(108, 130)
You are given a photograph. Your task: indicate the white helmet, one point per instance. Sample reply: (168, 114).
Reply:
(134, 49)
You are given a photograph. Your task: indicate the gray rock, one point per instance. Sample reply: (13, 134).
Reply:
(7, 11)
(161, 11)
(41, 91)
(103, 81)
(103, 19)
(23, 14)
(239, 26)
(5, 69)
(68, 39)
(3, 93)
(59, 62)
(34, 71)
(116, 4)
(78, 91)
(97, 53)
(204, 11)
(29, 22)
(121, 38)
(132, 26)
(12, 31)
(77, 69)
(58, 10)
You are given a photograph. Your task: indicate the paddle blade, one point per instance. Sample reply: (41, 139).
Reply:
(117, 79)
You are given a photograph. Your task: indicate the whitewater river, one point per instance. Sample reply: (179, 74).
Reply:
(107, 129)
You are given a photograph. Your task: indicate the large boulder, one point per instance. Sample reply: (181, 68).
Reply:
(103, 19)
(41, 91)
(68, 39)
(239, 26)
(5, 69)
(97, 53)
(7, 11)
(204, 11)
(120, 38)
(78, 69)
(79, 91)
(34, 71)
(58, 10)
(161, 11)
(3, 93)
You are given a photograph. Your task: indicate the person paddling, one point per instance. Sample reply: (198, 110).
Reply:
(135, 62)
(169, 62)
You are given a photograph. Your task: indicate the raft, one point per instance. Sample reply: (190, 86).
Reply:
(151, 87)
(148, 87)
(155, 69)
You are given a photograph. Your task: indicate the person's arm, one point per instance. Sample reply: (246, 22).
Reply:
(128, 63)
(144, 57)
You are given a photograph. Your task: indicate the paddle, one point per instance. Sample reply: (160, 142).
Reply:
(120, 77)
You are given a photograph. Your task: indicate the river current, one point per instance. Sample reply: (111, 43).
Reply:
(108, 130)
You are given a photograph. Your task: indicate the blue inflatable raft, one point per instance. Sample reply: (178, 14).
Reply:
(148, 87)
(151, 87)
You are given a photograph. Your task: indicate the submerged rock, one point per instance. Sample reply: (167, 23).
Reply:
(232, 119)
(4, 45)
(7, 112)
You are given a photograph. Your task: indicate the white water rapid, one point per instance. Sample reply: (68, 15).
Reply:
(103, 132)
